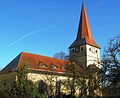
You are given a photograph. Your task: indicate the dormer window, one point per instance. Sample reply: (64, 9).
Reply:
(63, 67)
(54, 67)
(44, 65)
(41, 65)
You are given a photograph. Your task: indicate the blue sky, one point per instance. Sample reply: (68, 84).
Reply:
(49, 26)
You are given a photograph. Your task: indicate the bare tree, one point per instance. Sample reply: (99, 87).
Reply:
(61, 55)
(111, 65)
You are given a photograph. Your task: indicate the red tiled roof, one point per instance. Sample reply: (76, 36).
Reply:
(42, 63)
(37, 62)
(84, 35)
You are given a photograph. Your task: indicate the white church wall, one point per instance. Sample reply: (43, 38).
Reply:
(35, 77)
(49, 79)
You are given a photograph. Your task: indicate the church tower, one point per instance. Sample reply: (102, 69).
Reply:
(84, 50)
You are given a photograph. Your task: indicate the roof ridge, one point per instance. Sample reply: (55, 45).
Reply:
(41, 55)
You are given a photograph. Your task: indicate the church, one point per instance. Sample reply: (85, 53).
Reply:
(84, 51)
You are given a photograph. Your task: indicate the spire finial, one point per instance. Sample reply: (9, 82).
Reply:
(83, 5)
(82, 2)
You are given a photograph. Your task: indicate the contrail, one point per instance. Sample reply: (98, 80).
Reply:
(28, 34)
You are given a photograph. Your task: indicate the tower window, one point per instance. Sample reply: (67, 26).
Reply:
(77, 49)
(73, 50)
(96, 51)
(81, 48)
(89, 49)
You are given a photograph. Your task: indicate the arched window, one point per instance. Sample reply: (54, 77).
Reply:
(42, 86)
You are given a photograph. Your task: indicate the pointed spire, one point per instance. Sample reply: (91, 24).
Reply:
(84, 35)
(84, 27)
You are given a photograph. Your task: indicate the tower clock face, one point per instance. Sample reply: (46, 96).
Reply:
(77, 49)
(93, 49)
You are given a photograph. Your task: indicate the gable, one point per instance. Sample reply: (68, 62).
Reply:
(13, 64)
